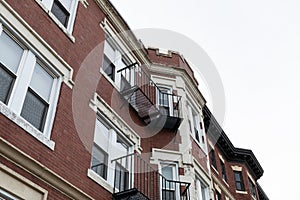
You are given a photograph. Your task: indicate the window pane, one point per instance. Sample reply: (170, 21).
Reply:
(237, 176)
(34, 110)
(203, 192)
(10, 52)
(109, 68)
(99, 161)
(60, 12)
(41, 82)
(6, 84)
(167, 172)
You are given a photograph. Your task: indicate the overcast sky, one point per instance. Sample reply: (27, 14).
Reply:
(255, 47)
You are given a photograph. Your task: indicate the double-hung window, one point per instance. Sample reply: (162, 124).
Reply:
(239, 183)
(165, 101)
(202, 190)
(252, 188)
(109, 145)
(63, 10)
(114, 60)
(213, 158)
(29, 86)
(195, 125)
(170, 190)
(223, 168)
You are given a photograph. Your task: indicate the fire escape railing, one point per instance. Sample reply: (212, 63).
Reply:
(141, 176)
(145, 96)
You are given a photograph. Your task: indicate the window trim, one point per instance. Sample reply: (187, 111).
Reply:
(175, 178)
(252, 187)
(200, 182)
(240, 173)
(71, 22)
(223, 170)
(110, 173)
(12, 109)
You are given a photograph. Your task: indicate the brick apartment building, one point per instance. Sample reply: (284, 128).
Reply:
(87, 112)
(234, 171)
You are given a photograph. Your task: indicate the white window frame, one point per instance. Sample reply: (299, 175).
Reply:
(47, 6)
(111, 154)
(174, 166)
(170, 91)
(5, 195)
(23, 77)
(199, 184)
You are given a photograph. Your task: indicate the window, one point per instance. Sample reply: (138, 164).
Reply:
(218, 196)
(239, 183)
(113, 60)
(252, 188)
(202, 190)
(169, 172)
(63, 10)
(109, 145)
(195, 125)
(29, 87)
(165, 101)
(224, 176)
(213, 158)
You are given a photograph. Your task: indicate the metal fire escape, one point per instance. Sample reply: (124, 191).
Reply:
(151, 103)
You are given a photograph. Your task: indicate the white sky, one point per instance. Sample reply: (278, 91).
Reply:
(255, 46)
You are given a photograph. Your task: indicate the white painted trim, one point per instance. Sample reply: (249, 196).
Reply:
(159, 155)
(26, 126)
(41, 172)
(251, 178)
(20, 186)
(99, 104)
(221, 158)
(241, 192)
(12, 20)
(236, 168)
(99, 180)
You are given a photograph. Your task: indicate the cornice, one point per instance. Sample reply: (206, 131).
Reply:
(221, 185)
(122, 27)
(218, 136)
(173, 70)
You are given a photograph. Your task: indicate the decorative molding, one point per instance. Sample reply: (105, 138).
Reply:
(99, 104)
(26, 126)
(121, 26)
(20, 186)
(236, 168)
(7, 14)
(38, 170)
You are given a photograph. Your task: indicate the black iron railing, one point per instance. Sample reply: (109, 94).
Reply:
(145, 96)
(140, 175)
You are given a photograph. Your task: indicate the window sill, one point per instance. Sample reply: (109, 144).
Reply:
(26, 126)
(241, 192)
(64, 29)
(109, 79)
(99, 180)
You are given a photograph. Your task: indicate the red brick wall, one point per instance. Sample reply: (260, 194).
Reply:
(199, 154)
(230, 177)
(73, 139)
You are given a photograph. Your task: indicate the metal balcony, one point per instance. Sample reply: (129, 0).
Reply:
(151, 103)
(136, 179)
